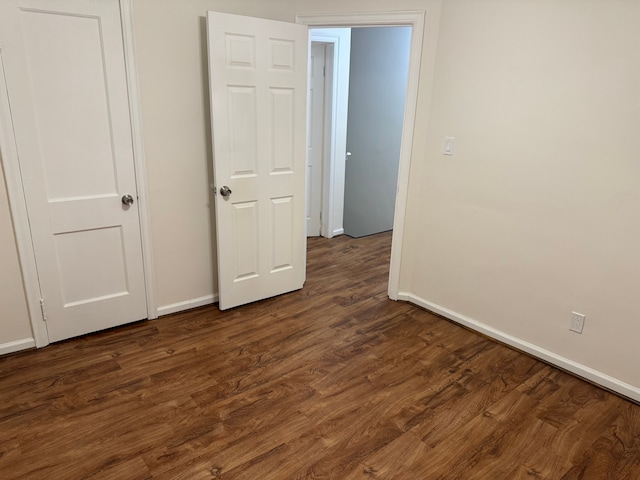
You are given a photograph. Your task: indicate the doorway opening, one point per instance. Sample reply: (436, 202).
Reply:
(371, 64)
(337, 152)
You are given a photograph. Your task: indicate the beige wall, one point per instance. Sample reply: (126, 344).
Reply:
(14, 317)
(170, 40)
(536, 214)
(171, 55)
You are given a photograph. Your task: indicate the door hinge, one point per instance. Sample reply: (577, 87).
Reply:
(44, 313)
(324, 71)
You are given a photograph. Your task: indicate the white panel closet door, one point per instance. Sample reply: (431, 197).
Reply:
(66, 82)
(258, 75)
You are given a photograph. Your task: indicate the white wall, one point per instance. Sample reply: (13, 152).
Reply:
(536, 214)
(15, 329)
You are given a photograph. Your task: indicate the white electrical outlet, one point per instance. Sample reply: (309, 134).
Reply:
(577, 322)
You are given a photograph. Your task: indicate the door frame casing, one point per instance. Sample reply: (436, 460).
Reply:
(322, 195)
(335, 126)
(139, 162)
(19, 216)
(16, 193)
(416, 20)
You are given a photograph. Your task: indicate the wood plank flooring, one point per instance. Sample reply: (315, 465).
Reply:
(331, 382)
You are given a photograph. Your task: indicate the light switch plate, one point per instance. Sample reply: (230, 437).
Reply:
(448, 146)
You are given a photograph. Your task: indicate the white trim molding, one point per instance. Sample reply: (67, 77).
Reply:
(18, 207)
(16, 346)
(338, 41)
(135, 112)
(187, 305)
(415, 20)
(576, 368)
(361, 19)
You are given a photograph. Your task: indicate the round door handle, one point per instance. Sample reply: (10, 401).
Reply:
(225, 191)
(127, 200)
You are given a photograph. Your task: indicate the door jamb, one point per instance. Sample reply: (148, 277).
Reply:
(335, 127)
(416, 20)
(18, 208)
(17, 202)
(135, 112)
(326, 187)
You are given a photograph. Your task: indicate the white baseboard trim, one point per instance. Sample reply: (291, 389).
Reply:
(578, 369)
(187, 304)
(17, 345)
(339, 231)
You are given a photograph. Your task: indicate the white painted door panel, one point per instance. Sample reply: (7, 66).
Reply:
(258, 79)
(66, 81)
(315, 137)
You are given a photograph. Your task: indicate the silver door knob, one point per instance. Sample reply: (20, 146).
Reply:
(127, 200)
(225, 191)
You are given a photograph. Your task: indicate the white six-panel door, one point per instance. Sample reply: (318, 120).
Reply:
(66, 83)
(258, 80)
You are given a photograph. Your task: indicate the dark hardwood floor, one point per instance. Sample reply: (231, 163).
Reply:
(331, 382)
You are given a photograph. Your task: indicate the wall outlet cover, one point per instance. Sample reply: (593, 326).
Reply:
(577, 322)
